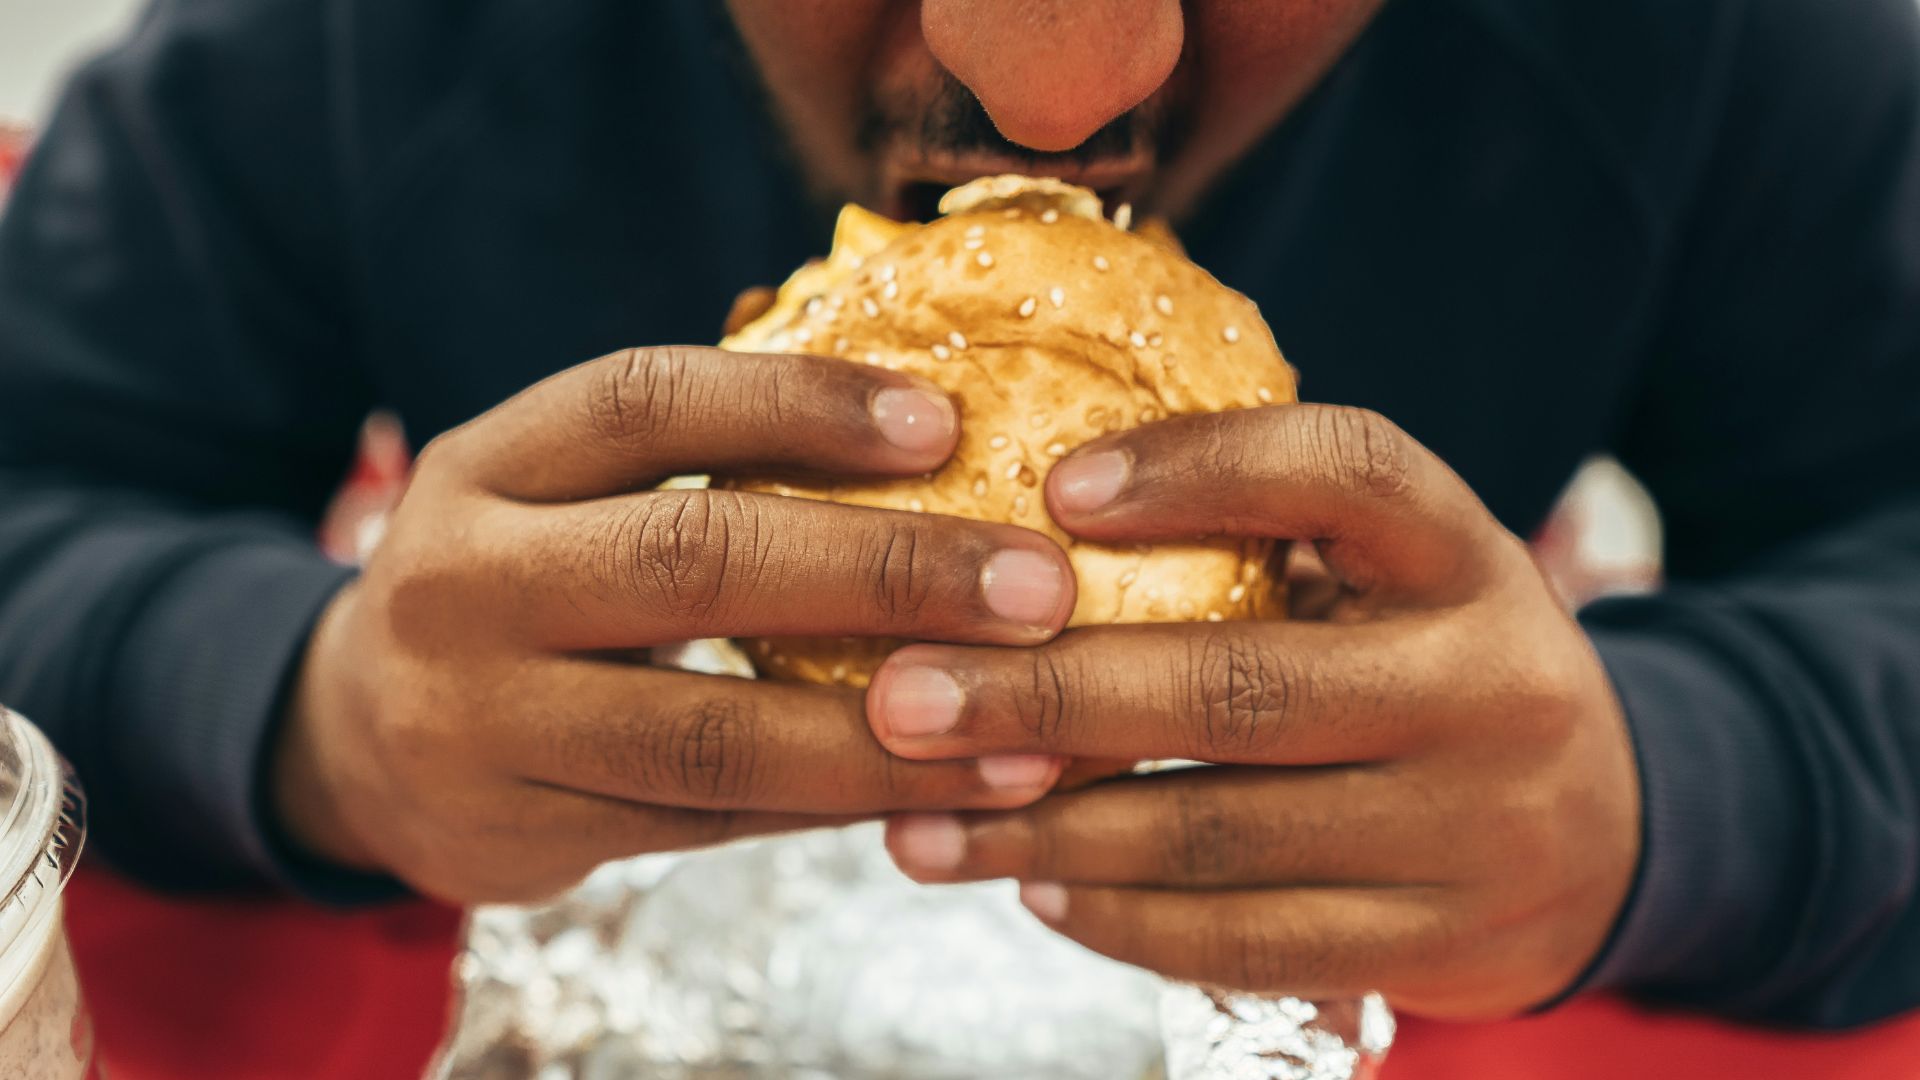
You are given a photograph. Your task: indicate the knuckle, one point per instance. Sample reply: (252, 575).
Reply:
(637, 394)
(1363, 451)
(707, 752)
(1046, 712)
(1241, 691)
(676, 550)
(1255, 961)
(900, 563)
(1545, 690)
(1204, 845)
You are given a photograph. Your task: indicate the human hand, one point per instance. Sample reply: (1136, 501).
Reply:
(1429, 792)
(471, 716)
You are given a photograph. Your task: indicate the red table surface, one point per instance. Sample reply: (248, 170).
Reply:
(272, 990)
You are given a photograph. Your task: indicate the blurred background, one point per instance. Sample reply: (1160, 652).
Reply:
(1603, 540)
(41, 39)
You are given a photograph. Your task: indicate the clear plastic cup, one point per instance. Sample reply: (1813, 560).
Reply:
(45, 1032)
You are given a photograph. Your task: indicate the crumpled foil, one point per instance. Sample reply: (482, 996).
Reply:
(810, 957)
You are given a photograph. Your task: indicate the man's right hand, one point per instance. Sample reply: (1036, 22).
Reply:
(470, 716)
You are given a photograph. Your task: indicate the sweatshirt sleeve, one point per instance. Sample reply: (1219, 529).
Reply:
(176, 406)
(1773, 689)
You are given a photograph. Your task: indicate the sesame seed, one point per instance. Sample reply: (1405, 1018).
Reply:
(1101, 264)
(1013, 470)
(1237, 594)
(1155, 340)
(1264, 394)
(891, 290)
(1026, 308)
(781, 341)
(1129, 578)
(814, 305)
(1139, 339)
(1057, 449)
(1057, 296)
(1214, 616)
(1188, 609)
(973, 243)
(1231, 333)
(998, 442)
(1019, 504)
(979, 487)
(957, 339)
(1049, 216)
(803, 335)
(974, 232)
(867, 305)
(856, 262)
(1163, 304)
(1123, 217)
(916, 505)
(873, 358)
(1039, 419)
(836, 301)
(840, 344)
(763, 646)
(1153, 594)
(889, 272)
(941, 352)
(839, 672)
(984, 258)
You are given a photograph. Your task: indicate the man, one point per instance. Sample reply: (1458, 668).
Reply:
(1503, 233)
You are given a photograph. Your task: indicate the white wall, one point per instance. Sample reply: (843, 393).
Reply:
(41, 39)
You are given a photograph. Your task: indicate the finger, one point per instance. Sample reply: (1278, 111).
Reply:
(626, 421)
(670, 565)
(1193, 828)
(543, 840)
(1310, 943)
(1231, 693)
(1387, 513)
(710, 742)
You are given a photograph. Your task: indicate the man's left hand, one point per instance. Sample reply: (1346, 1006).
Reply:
(1429, 791)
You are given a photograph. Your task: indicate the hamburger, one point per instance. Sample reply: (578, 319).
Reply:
(1049, 325)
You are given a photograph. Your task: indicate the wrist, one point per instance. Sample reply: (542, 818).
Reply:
(311, 771)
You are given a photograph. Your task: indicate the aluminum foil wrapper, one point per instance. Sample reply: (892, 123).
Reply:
(810, 957)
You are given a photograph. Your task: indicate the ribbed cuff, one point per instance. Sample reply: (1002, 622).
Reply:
(1723, 835)
(203, 675)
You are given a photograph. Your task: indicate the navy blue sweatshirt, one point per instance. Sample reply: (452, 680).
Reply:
(1686, 232)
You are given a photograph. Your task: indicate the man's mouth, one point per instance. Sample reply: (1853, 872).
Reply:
(912, 183)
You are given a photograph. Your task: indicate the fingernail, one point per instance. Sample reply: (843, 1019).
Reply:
(931, 843)
(919, 702)
(914, 420)
(1022, 586)
(1085, 484)
(1046, 899)
(1016, 772)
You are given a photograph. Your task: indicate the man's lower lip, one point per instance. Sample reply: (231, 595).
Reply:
(914, 184)
(918, 200)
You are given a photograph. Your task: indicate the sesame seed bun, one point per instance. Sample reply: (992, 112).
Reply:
(1049, 325)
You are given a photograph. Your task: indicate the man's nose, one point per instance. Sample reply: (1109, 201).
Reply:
(1052, 72)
